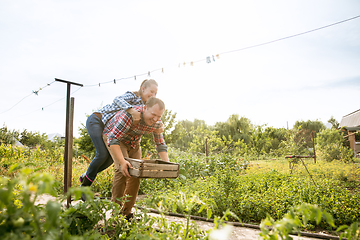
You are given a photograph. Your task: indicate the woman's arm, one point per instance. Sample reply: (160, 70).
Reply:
(126, 102)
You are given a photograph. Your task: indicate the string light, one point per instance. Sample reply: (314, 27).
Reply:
(33, 92)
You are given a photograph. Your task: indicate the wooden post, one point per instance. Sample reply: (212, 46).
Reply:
(206, 147)
(68, 138)
(313, 140)
(70, 149)
(352, 142)
(66, 152)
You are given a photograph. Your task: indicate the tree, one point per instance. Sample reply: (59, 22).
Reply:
(304, 135)
(330, 145)
(31, 139)
(170, 133)
(184, 132)
(84, 141)
(334, 124)
(260, 141)
(275, 137)
(237, 128)
(7, 136)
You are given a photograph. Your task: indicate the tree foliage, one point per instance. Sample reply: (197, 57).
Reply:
(237, 128)
(237, 135)
(31, 139)
(7, 136)
(27, 138)
(334, 123)
(170, 134)
(184, 130)
(84, 141)
(331, 146)
(260, 141)
(306, 131)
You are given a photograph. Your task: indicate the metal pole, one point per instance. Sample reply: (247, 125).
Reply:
(308, 172)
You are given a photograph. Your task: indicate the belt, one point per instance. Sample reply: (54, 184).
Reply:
(98, 115)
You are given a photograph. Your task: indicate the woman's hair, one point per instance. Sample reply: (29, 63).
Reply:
(146, 83)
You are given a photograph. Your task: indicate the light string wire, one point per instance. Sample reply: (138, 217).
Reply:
(33, 92)
(295, 35)
(269, 42)
(208, 59)
(45, 106)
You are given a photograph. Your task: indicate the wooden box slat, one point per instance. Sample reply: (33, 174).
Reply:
(156, 166)
(159, 174)
(153, 168)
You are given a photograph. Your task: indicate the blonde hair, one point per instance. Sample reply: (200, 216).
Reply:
(146, 83)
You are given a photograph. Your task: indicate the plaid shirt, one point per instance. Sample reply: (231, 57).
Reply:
(123, 102)
(120, 129)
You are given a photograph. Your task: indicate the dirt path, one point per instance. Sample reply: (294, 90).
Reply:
(237, 232)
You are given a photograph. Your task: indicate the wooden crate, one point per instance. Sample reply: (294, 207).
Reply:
(153, 168)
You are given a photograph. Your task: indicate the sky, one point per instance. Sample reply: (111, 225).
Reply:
(259, 59)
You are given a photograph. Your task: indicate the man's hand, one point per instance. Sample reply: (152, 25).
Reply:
(136, 116)
(118, 157)
(125, 165)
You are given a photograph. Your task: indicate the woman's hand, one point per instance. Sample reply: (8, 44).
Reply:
(136, 116)
(160, 130)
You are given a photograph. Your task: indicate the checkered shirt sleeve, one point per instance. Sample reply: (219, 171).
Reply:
(122, 102)
(119, 128)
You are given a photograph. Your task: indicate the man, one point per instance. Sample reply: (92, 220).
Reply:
(123, 140)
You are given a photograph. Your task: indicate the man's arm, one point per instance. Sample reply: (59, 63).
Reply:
(164, 156)
(118, 126)
(118, 157)
(161, 147)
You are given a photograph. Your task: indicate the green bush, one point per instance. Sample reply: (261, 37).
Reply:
(330, 145)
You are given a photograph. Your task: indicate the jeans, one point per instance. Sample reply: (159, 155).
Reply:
(102, 159)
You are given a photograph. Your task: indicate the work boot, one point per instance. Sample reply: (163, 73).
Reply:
(81, 178)
(129, 217)
(85, 183)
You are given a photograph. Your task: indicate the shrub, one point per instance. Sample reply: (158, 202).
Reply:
(330, 146)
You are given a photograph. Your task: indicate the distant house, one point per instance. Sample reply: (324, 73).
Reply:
(16, 142)
(55, 136)
(351, 123)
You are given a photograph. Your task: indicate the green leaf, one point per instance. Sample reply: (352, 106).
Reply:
(14, 167)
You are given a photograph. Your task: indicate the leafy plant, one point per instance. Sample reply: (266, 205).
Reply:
(297, 217)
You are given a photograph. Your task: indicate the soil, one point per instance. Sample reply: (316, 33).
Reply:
(237, 232)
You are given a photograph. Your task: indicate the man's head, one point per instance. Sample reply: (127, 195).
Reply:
(153, 110)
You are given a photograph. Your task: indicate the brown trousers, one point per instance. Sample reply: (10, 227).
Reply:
(125, 186)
